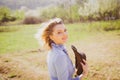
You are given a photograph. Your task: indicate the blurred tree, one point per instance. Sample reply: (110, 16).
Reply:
(18, 14)
(81, 2)
(75, 10)
(100, 10)
(108, 9)
(4, 14)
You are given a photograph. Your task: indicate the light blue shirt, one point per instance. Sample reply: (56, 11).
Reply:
(59, 64)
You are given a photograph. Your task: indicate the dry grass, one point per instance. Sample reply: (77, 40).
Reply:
(24, 66)
(102, 54)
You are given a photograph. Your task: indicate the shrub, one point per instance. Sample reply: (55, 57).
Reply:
(31, 20)
(5, 15)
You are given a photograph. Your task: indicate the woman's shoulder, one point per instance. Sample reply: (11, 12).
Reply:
(56, 53)
(56, 58)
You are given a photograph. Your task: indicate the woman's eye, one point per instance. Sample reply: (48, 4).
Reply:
(65, 30)
(59, 32)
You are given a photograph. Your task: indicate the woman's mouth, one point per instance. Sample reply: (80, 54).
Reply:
(64, 39)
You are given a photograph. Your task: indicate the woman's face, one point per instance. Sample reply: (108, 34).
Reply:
(59, 34)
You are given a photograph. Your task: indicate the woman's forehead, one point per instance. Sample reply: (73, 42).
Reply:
(59, 27)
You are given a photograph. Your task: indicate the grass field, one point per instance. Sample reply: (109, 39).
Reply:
(21, 37)
(20, 58)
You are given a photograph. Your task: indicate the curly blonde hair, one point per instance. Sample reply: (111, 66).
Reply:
(47, 30)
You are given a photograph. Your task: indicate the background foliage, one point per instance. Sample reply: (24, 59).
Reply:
(69, 10)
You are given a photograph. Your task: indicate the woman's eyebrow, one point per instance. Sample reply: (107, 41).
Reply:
(60, 30)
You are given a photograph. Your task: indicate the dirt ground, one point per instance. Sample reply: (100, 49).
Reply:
(103, 56)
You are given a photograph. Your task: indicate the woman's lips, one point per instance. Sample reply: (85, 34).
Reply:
(64, 39)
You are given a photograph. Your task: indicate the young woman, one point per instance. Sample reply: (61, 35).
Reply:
(54, 36)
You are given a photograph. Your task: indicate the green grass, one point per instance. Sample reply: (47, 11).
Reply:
(79, 31)
(21, 37)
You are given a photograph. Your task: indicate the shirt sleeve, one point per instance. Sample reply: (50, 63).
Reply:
(61, 67)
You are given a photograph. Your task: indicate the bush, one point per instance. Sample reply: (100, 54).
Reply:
(31, 20)
(19, 15)
(4, 14)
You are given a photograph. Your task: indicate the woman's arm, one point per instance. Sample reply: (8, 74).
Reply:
(61, 67)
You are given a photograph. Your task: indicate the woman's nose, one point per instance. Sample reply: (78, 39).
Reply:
(65, 34)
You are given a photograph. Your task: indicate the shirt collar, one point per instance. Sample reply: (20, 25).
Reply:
(59, 46)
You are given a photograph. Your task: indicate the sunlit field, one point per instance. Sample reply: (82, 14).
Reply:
(21, 57)
(22, 37)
